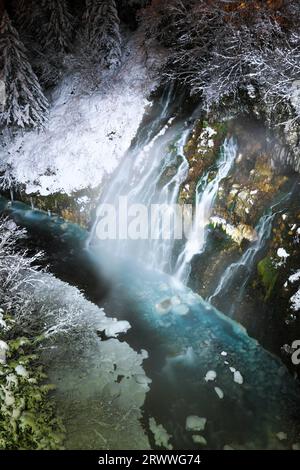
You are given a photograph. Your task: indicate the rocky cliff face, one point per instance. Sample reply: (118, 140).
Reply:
(256, 254)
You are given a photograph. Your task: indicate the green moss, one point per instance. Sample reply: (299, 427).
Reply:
(268, 275)
(27, 415)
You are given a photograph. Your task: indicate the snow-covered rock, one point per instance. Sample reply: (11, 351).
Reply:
(282, 253)
(295, 301)
(219, 392)
(295, 277)
(199, 440)
(161, 436)
(210, 376)
(195, 423)
(238, 378)
(115, 328)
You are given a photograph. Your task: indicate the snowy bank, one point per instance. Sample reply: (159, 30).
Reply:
(101, 385)
(87, 134)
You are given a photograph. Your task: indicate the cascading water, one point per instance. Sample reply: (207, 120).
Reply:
(246, 262)
(243, 267)
(151, 175)
(207, 190)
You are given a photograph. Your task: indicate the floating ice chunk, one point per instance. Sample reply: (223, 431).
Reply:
(199, 440)
(232, 369)
(219, 392)
(210, 376)
(195, 423)
(238, 378)
(296, 446)
(224, 353)
(181, 310)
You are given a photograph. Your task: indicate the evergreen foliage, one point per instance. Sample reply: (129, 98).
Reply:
(26, 104)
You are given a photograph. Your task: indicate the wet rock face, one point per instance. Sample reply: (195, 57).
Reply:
(263, 296)
(201, 152)
(246, 193)
(277, 281)
(250, 188)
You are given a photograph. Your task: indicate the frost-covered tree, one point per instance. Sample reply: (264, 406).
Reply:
(27, 16)
(102, 32)
(18, 271)
(58, 29)
(222, 48)
(26, 104)
(46, 29)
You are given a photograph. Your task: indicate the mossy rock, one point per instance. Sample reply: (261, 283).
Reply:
(268, 275)
(201, 151)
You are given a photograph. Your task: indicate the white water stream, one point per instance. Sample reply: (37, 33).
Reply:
(206, 192)
(152, 174)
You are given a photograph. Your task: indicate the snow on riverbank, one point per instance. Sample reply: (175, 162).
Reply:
(101, 385)
(87, 134)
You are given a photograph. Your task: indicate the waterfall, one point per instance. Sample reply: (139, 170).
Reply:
(145, 186)
(151, 174)
(206, 192)
(247, 261)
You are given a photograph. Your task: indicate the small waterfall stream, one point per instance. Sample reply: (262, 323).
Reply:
(246, 262)
(242, 269)
(206, 192)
